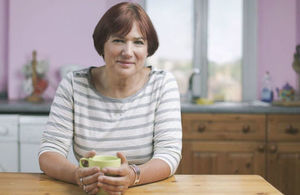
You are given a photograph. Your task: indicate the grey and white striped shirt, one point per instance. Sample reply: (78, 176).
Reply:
(143, 126)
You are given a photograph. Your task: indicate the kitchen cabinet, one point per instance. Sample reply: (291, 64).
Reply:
(20, 137)
(9, 143)
(263, 144)
(222, 158)
(223, 144)
(31, 130)
(283, 152)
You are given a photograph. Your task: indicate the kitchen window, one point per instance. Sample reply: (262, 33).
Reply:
(218, 37)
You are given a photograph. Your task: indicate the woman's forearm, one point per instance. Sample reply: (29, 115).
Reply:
(57, 166)
(154, 170)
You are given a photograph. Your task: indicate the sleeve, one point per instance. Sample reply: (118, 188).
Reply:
(167, 127)
(58, 133)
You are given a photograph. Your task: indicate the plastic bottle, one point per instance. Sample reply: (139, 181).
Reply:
(194, 84)
(267, 92)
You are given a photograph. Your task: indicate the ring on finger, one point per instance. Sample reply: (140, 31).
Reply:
(81, 181)
(84, 188)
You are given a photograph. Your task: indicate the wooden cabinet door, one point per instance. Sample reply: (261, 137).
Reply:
(283, 167)
(284, 128)
(223, 158)
(223, 127)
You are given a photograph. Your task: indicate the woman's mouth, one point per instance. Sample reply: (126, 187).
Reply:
(125, 63)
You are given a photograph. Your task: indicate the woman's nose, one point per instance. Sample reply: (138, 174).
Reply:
(127, 50)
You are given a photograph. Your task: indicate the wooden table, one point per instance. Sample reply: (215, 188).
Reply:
(35, 183)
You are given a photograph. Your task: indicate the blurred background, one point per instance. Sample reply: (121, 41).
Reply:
(227, 53)
(233, 42)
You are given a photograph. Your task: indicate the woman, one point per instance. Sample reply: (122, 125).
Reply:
(122, 108)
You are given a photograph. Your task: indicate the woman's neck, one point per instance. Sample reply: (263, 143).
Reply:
(110, 85)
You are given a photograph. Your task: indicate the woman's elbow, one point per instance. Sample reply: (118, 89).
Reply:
(42, 161)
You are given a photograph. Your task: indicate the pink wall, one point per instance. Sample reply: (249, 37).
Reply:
(62, 34)
(277, 38)
(298, 22)
(3, 43)
(298, 37)
(60, 31)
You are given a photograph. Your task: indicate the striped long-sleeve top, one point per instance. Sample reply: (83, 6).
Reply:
(143, 126)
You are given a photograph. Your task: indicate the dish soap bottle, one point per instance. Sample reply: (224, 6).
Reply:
(267, 92)
(194, 84)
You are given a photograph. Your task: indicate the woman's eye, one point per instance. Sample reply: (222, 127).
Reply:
(139, 42)
(118, 41)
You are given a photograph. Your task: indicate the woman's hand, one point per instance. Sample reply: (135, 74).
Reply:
(87, 177)
(119, 184)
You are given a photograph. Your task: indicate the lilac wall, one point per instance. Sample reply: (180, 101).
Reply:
(3, 43)
(277, 38)
(298, 22)
(298, 36)
(60, 31)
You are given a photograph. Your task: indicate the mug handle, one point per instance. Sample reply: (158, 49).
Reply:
(84, 162)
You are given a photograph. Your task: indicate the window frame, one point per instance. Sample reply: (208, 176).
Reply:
(249, 52)
(249, 46)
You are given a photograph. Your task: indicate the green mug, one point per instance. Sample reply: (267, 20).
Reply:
(101, 162)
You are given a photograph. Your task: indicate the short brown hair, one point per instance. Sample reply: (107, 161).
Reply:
(118, 20)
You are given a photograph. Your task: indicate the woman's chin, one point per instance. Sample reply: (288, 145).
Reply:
(125, 72)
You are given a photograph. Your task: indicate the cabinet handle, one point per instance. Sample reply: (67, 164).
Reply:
(3, 131)
(246, 129)
(261, 148)
(201, 128)
(273, 148)
(291, 130)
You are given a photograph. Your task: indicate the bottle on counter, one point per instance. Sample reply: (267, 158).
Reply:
(267, 92)
(194, 84)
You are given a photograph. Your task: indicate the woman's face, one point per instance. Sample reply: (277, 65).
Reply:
(126, 55)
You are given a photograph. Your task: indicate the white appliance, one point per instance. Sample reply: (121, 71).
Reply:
(31, 130)
(9, 143)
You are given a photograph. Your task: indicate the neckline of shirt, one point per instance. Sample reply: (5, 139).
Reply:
(122, 100)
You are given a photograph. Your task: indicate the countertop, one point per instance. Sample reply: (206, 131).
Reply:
(255, 107)
(23, 107)
(37, 183)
